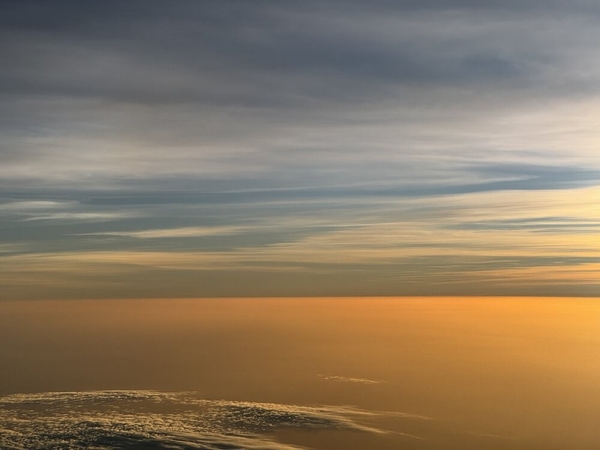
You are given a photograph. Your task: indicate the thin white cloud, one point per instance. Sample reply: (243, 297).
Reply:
(182, 232)
(83, 216)
(350, 379)
(34, 205)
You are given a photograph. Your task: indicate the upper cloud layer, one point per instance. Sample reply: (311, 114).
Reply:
(216, 124)
(97, 93)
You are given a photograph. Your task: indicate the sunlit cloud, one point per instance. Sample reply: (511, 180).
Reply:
(342, 379)
(576, 274)
(450, 240)
(167, 420)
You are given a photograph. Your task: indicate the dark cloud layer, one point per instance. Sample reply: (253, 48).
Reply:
(265, 55)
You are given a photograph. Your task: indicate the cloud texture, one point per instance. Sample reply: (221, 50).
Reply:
(149, 419)
(313, 148)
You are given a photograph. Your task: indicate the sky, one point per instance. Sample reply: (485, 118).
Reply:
(222, 148)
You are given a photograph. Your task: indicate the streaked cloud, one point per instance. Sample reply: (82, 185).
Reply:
(449, 242)
(423, 142)
(32, 205)
(91, 216)
(350, 379)
(176, 232)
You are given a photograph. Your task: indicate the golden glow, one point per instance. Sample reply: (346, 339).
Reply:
(521, 369)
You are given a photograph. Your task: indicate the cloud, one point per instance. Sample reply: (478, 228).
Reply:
(177, 232)
(390, 245)
(350, 379)
(139, 419)
(83, 216)
(12, 248)
(233, 89)
(33, 205)
(436, 130)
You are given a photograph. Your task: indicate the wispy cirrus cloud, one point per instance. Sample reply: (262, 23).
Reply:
(289, 137)
(177, 232)
(82, 216)
(33, 205)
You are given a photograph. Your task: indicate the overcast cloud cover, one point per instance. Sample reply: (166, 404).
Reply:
(232, 148)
